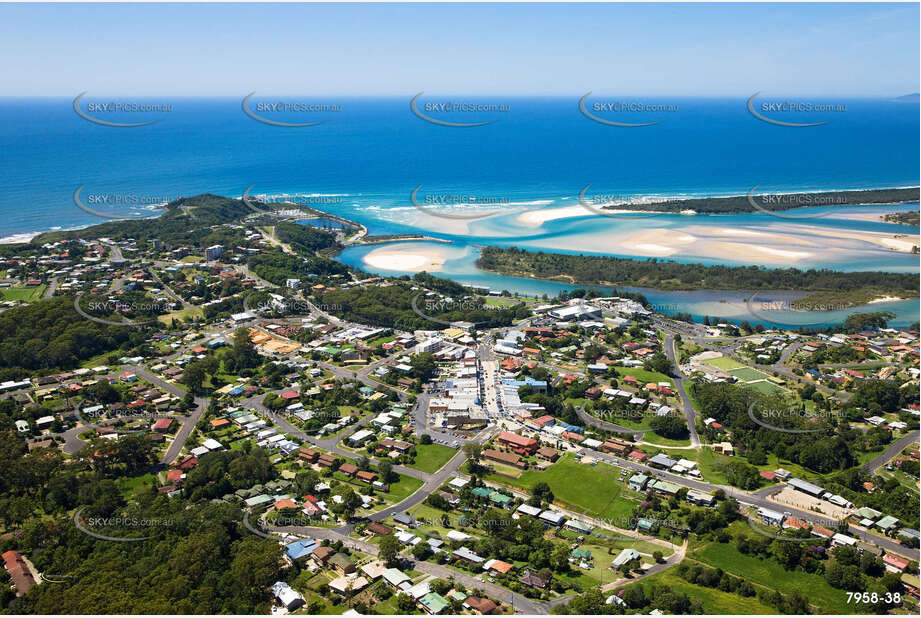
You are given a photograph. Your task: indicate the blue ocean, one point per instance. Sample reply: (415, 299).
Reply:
(365, 159)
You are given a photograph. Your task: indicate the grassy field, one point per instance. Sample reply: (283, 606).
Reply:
(182, 315)
(27, 295)
(709, 464)
(655, 438)
(603, 553)
(129, 486)
(644, 377)
(431, 457)
(770, 574)
(594, 489)
(428, 521)
(714, 601)
(767, 388)
(745, 374)
(402, 489)
(724, 362)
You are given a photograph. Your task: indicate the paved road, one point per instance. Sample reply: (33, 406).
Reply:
(756, 499)
(168, 290)
(894, 449)
(52, 286)
(188, 422)
(593, 421)
(520, 603)
(689, 415)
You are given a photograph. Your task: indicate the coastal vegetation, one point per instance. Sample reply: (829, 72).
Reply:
(198, 558)
(304, 239)
(188, 220)
(777, 202)
(50, 334)
(277, 267)
(911, 217)
(849, 288)
(403, 307)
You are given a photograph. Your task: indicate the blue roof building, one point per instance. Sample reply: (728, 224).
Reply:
(298, 550)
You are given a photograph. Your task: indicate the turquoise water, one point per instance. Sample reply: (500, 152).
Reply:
(365, 162)
(375, 151)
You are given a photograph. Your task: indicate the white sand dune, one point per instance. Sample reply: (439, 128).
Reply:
(411, 257)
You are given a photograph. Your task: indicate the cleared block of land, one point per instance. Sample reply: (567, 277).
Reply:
(771, 574)
(714, 601)
(431, 457)
(808, 503)
(595, 489)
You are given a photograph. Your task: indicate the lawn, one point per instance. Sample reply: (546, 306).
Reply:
(724, 362)
(405, 487)
(603, 553)
(654, 438)
(768, 388)
(129, 486)
(431, 457)
(593, 489)
(714, 601)
(428, 520)
(798, 471)
(709, 464)
(24, 294)
(183, 315)
(644, 377)
(769, 573)
(746, 374)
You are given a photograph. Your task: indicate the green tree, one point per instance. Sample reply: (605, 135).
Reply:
(389, 549)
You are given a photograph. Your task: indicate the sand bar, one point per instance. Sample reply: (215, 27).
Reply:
(408, 257)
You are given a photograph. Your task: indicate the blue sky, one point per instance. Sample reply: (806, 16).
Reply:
(523, 49)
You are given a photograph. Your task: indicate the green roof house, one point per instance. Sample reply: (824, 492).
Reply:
(434, 603)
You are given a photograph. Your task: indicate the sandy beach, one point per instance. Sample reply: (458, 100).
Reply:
(535, 218)
(896, 242)
(777, 245)
(411, 257)
(885, 299)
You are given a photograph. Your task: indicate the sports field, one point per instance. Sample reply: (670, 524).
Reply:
(747, 374)
(724, 362)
